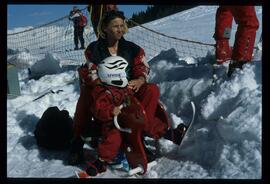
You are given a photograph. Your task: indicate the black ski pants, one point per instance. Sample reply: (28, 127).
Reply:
(78, 35)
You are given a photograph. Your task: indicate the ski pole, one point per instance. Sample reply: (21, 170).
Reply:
(51, 91)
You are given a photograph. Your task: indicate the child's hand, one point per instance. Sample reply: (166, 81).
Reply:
(116, 111)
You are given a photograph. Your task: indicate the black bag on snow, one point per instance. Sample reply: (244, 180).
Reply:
(54, 130)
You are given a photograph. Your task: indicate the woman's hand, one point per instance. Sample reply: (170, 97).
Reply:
(136, 84)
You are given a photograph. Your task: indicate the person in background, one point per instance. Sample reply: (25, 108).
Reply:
(75, 17)
(247, 25)
(96, 12)
(112, 43)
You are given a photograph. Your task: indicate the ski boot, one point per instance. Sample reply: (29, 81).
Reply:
(176, 135)
(96, 167)
(233, 65)
(179, 133)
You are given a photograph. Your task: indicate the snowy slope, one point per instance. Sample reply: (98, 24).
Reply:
(195, 24)
(225, 141)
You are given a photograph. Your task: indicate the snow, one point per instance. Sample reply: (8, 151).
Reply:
(225, 141)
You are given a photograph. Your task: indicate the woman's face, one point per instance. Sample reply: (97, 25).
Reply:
(115, 29)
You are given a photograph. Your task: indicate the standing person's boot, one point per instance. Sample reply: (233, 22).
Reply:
(76, 152)
(76, 48)
(176, 135)
(234, 65)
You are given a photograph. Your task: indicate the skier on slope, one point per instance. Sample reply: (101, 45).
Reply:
(245, 17)
(112, 43)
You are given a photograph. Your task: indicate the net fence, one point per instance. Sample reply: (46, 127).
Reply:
(56, 37)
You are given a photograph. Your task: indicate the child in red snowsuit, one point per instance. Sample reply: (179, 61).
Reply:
(106, 99)
(241, 53)
(106, 102)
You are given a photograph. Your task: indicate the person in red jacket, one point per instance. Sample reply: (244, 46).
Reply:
(112, 43)
(241, 53)
(75, 17)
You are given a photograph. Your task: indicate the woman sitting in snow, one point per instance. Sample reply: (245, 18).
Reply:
(112, 43)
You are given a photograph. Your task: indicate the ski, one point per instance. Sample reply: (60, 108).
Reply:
(193, 113)
(190, 123)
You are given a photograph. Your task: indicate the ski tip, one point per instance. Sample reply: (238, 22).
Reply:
(193, 111)
(192, 104)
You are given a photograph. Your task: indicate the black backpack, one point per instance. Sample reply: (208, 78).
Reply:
(54, 130)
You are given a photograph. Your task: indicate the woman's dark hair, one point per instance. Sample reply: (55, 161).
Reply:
(107, 18)
(110, 15)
